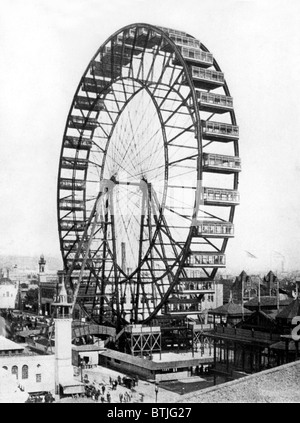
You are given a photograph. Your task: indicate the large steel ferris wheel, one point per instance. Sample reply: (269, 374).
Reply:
(148, 177)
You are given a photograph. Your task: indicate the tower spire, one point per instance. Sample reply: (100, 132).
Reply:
(62, 307)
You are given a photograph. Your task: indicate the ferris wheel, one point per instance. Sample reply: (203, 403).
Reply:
(148, 177)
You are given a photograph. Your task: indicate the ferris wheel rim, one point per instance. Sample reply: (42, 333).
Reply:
(198, 131)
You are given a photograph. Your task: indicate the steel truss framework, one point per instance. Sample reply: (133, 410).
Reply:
(144, 343)
(148, 177)
(201, 342)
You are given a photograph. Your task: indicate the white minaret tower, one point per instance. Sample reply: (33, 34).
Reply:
(42, 264)
(63, 339)
(42, 279)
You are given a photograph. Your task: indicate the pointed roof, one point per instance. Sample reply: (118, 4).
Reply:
(267, 316)
(238, 282)
(242, 275)
(62, 290)
(230, 309)
(62, 298)
(270, 276)
(290, 311)
(260, 320)
(270, 281)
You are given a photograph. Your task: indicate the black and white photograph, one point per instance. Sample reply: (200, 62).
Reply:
(149, 204)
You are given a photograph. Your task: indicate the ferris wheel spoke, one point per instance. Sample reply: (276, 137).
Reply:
(145, 129)
(155, 280)
(167, 60)
(179, 214)
(140, 252)
(193, 156)
(148, 157)
(174, 112)
(171, 87)
(181, 174)
(163, 250)
(211, 244)
(169, 273)
(184, 130)
(165, 228)
(98, 146)
(145, 301)
(212, 215)
(207, 144)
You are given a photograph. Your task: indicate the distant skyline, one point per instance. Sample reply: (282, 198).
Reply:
(45, 47)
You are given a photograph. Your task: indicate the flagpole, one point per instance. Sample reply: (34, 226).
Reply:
(277, 294)
(259, 294)
(242, 298)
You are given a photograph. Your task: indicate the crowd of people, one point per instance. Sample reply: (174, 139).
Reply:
(103, 392)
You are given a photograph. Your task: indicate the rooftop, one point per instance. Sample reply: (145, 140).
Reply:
(6, 281)
(277, 385)
(230, 309)
(176, 360)
(8, 345)
(291, 310)
(267, 300)
(87, 347)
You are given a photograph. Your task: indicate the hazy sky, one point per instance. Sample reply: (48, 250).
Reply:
(46, 45)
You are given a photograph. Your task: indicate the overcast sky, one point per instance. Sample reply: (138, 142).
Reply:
(46, 45)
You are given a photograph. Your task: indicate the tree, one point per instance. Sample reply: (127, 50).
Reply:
(31, 299)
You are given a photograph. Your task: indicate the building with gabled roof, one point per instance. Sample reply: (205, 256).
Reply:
(287, 314)
(259, 321)
(244, 287)
(230, 313)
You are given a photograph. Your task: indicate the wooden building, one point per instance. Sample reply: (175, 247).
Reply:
(170, 369)
(268, 304)
(229, 314)
(242, 350)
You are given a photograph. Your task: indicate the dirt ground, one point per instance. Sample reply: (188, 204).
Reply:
(143, 392)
